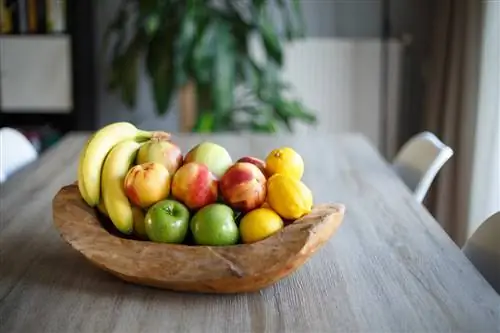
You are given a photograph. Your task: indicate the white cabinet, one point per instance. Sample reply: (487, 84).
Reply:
(35, 74)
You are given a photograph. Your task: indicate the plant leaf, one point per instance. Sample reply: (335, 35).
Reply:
(299, 111)
(267, 127)
(204, 52)
(205, 123)
(129, 64)
(113, 76)
(288, 110)
(280, 109)
(270, 38)
(258, 3)
(292, 16)
(299, 30)
(159, 64)
(252, 73)
(289, 22)
(184, 44)
(146, 7)
(129, 82)
(117, 26)
(223, 71)
(152, 24)
(269, 83)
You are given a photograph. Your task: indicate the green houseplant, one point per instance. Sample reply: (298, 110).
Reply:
(207, 43)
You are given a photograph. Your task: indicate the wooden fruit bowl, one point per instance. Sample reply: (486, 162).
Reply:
(210, 269)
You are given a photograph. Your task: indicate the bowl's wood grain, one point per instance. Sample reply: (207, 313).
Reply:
(225, 269)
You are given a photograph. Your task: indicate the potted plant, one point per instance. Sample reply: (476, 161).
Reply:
(202, 50)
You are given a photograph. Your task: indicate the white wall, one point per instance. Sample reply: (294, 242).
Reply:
(340, 79)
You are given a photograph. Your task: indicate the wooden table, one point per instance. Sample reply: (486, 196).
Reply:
(390, 267)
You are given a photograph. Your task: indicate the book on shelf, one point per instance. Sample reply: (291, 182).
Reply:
(32, 16)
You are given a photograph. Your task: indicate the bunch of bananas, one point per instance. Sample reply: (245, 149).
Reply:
(104, 162)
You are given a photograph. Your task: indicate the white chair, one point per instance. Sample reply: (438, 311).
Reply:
(483, 250)
(419, 161)
(16, 151)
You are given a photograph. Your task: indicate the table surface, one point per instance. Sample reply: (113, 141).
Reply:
(389, 268)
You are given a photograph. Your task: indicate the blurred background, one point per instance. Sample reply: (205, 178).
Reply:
(387, 69)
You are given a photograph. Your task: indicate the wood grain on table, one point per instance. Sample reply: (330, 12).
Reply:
(389, 268)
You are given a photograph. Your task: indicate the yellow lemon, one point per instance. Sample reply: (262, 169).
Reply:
(286, 161)
(288, 197)
(259, 224)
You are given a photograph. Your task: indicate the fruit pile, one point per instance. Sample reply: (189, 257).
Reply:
(142, 182)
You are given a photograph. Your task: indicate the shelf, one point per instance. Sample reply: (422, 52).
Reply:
(36, 36)
(48, 78)
(30, 34)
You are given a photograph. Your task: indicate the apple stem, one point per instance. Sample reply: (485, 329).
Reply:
(160, 136)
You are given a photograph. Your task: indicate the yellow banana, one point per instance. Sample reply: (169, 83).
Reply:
(102, 208)
(138, 215)
(116, 165)
(95, 152)
(81, 188)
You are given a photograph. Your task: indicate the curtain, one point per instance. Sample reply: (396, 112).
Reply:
(485, 192)
(450, 107)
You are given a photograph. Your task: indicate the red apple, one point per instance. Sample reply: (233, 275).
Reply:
(243, 186)
(194, 185)
(146, 184)
(257, 162)
(161, 151)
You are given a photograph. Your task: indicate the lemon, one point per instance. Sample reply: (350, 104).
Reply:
(259, 224)
(286, 161)
(288, 197)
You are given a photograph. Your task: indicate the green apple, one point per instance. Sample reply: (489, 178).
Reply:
(214, 225)
(167, 221)
(214, 156)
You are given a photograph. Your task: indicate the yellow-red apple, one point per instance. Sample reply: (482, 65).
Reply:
(147, 183)
(257, 162)
(243, 186)
(161, 151)
(195, 185)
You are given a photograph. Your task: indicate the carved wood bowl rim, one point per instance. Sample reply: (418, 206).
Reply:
(194, 268)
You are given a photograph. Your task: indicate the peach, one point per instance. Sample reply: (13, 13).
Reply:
(257, 162)
(161, 151)
(147, 183)
(243, 186)
(195, 185)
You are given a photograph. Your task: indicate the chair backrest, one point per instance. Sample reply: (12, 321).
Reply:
(16, 151)
(419, 161)
(483, 250)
